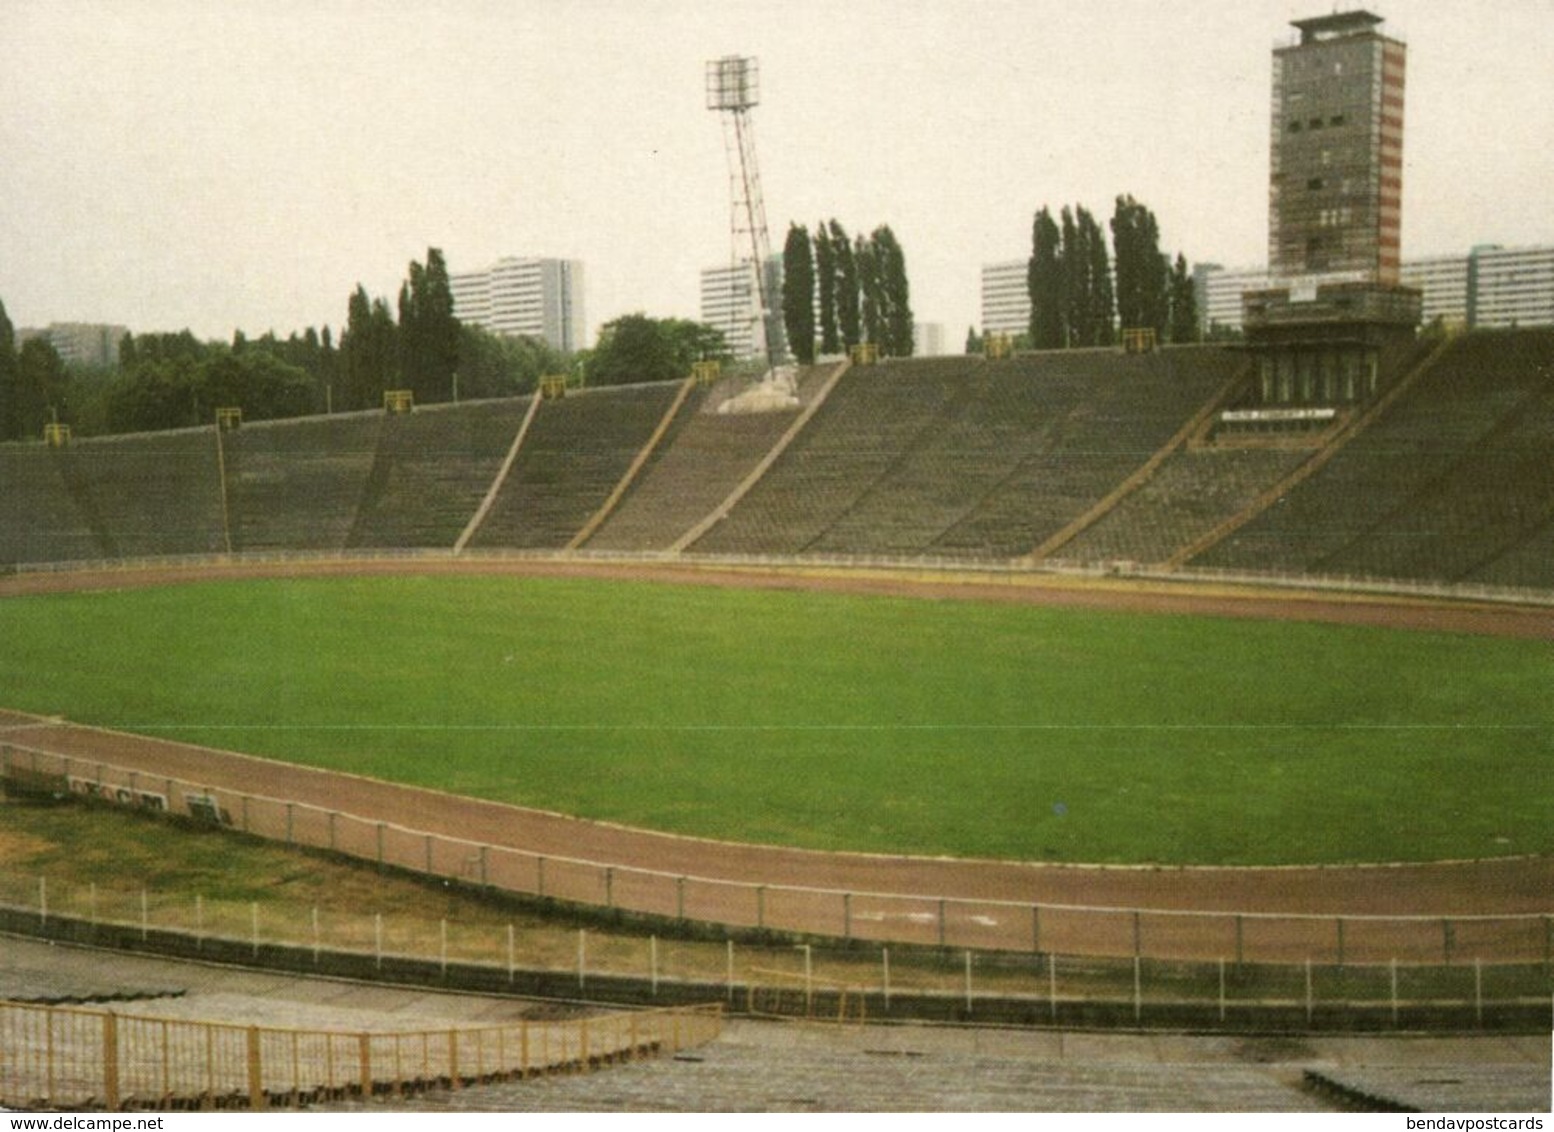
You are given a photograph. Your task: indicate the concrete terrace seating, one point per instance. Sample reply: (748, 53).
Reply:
(1494, 496)
(1190, 494)
(577, 450)
(296, 485)
(1530, 563)
(431, 471)
(151, 494)
(974, 442)
(1126, 409)
(40, 520)
(1354, 515)
(700, 463)
(766, 1067)
(871, 419)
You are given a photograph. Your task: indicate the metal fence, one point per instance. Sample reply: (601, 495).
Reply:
(836, 981)
(69, 1057)
(1011, 572)
(916, 919)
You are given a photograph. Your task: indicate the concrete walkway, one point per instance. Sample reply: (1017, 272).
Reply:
(788, 1067)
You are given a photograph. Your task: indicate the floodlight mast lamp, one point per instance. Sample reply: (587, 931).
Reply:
(733, 89)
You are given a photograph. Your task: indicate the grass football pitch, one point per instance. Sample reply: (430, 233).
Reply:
(834, 721)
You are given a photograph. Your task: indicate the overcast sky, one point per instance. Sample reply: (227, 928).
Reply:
(172, 163)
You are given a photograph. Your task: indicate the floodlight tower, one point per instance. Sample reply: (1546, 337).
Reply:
(734, 89)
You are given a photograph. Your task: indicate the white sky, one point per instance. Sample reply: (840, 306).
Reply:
(173, 163)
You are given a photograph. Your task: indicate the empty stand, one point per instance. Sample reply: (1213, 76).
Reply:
(296, 485)
(430, 471)
(1191, 493)
(577, 450)
(1383, 502)
(151, 494)
(705, 460)
(871, 418)
(1448, 477)
(41, 519)
(1110, 415)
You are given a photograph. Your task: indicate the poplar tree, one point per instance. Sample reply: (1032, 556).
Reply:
(847, 312)
(10, 418)
(1044, 283)
(870, 298)
(896, 317)
(1142, 272)
(825, 278)
(428, 331)
(798, 294)
(1100, 326)
(1184, 302)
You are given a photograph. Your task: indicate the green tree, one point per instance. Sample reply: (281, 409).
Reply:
(256, 381)
(1142, 272)
(896, 293)
(369, 352)
(1044, 283)
(635, 348)
(493, 365)
(42, 395)
(973, 341)
(798, 294)
(870, 295)
(825, 281)
(1085, 280)
(848, 316)
(1184, 302)
(1101, 319)
(153, 394)
(10, 377)
(428, 332)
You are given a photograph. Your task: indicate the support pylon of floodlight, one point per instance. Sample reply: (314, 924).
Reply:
(733, 89)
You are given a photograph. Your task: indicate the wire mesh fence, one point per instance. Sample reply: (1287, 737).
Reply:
(854, 916)
(829, 980)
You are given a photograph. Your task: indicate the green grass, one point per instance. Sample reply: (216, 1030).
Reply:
(834, 721)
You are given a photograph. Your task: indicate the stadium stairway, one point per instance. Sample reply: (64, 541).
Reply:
(1117, 415)
(150, 494)
(298, 485)
(44, 516)
(1207, 548)
(1489, 481)
(671, 416)
(796, 428)
(708, 456)
(430, 471)
(575, 452)
(1090, 551)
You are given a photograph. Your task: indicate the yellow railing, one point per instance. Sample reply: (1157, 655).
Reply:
(70, 1057)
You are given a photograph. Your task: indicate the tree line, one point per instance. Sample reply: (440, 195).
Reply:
(1082, 296)
(174, 380)
(857, 288)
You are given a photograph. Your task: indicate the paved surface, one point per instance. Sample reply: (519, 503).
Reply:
(790, 1067)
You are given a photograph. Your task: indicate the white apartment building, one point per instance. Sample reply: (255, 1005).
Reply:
(537, 298)
(1218, 294)
(730, 302)
(1006, 297)
(927, 339)
(1489, 287)
(94, 344)
(1511, 287)
(1443, 281)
